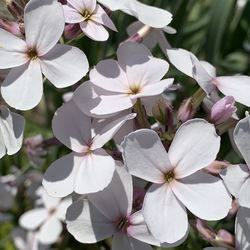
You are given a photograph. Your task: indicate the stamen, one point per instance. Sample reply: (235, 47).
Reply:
(122, 224)
(32, 54)
(134, 89)
(169, 176)
(86, 14)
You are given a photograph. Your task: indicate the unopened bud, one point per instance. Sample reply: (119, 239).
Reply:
(71, 31)
(216, 167)
(186, 110)
(222, 110)
(163, 112)
(11, 27)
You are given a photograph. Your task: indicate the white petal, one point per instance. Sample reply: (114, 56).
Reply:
(190, 151)
(204, 195)
(12, 50)
(94, 30)
(242, 229)
(107, 132)
(12, 127)
(152, 16)
(118, 5)
(95, 172)
(209, 68)
(44, 24)
(236, 86)
(72, 127)
(109, 75)
(33, 218)
(101, 105)
(2, 146)
(87, 224)
(59, 178)
(125, 242)
(145, 156)
(244, 195)
(62, 208)
(234, 176)
(115, 201)
(72, 15)
(156, 88)
(64, 65)
(187, 63)
(26, 80)
(83, 4)
(50, 231)
(165, 216)
(100, 16)
(241, 137)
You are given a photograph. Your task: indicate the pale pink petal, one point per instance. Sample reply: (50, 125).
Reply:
(113, 5)
(152, 16)
(145, 156)
(100, 105)
(236, 86)
(77, 4)
(2, 146)
(125, 242)
(44, 24)
(244, 195)
(12, 50)
(12, 128)
(72, 127)
(26, 80)
(109, 75)
(50, 231)
(94, 30)
(204, 195)
(49, 202)
(87, 224)
(115, 201)
(72, 15)
(165, 216)
(242, 229)
(241, 137)
(108, 131)
(89, 4)
(209, 68)
(156, 88)
(33, 219)
(94, 173)
(100, 16)
(234, 177)
(64, 65)
(59, 178)
(189, 151)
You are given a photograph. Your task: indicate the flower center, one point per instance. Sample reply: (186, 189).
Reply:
(169, 176)
(134, 89)
(122, 224)
(32, 54)
(86, 14)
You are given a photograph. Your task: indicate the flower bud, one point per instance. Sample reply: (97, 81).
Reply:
(222, 110)
(163, 112)
(216, 167)
(11, 27)
(186, 110)
(71, 31)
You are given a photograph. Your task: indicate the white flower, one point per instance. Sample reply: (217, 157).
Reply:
(116, 85)
(237, 177)
(11, 131)
(204, 73)
(62, 65)
(108, 213)
(47, 218)
(148, 15)
(177, 182)
(88, 168)
(91, 18)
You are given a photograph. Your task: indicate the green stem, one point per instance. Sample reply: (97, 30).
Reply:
(141, 118)
(198, 97)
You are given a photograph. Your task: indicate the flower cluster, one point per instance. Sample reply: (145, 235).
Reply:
(124, 162)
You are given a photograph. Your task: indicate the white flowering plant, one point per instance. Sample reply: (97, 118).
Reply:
(142, 142)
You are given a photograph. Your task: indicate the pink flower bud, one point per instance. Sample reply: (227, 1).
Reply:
(71, 31)
(226, 237)
(186, 110)
(204, 230)
(11, 27)
(216, 167)
(222, 110)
